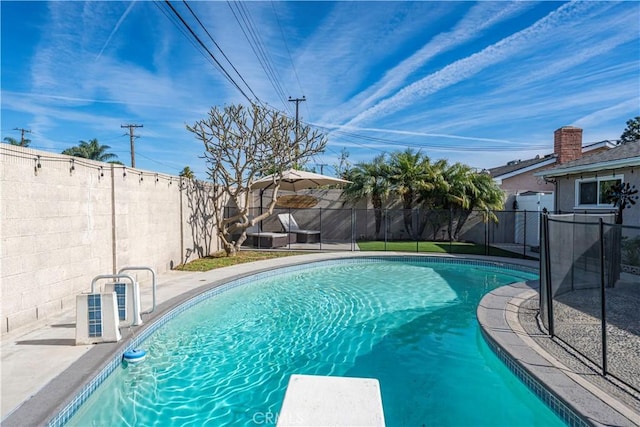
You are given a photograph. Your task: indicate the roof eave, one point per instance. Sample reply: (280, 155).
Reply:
(526, 169)
(591, 167)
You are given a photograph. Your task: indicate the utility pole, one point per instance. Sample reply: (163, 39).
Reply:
(22, 135)
(131, 138)
(297, 145)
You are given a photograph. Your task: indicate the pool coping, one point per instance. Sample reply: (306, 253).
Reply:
(48, 403)
(576, 400)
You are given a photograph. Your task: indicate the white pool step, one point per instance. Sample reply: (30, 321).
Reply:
(312, 400)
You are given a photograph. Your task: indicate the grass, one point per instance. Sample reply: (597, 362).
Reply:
(220, 259)
(437, 247)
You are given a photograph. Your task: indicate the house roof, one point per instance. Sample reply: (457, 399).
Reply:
(624, 155)
(516, 167)
(607, 143)
(519, 166)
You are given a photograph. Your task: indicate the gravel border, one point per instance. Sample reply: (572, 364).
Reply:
(583, 331)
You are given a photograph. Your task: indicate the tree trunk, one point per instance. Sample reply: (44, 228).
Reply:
(450, 226)
(378, 216)
(462, 219)
(228, 245)
(423, 218)
(377, 212)
(408, 215)
(230, 250)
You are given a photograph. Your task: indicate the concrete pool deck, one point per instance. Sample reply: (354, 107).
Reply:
(499, 315)
(41, 368)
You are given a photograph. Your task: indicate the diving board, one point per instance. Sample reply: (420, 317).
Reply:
(312, 400)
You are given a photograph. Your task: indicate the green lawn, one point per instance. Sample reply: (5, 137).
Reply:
(220, 259)
(436, 247)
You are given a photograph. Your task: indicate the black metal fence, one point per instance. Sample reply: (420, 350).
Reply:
(346, 229)
(590, 290)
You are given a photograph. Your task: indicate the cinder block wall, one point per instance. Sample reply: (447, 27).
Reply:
(147, 219)
(64, 221)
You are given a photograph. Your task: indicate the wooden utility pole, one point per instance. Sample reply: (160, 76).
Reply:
(297, 145)
(22, 135)
(131, 139)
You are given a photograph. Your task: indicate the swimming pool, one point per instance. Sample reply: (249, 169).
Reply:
(410, 322)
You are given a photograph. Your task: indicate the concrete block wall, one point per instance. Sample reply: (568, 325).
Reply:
(147, 219)
(64, 221)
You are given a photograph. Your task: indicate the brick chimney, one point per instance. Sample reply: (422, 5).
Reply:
(567, 144)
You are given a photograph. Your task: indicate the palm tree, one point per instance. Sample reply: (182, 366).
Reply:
(469, 190)
(431, 196)
(411, 173)
(13, 141)
(369, 179)
(91, 150)
(457, 197)
(187, 173)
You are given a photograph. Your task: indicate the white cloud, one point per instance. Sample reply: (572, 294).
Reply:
(465, 68)
(449, 76)
(479, 18)
(630, 106)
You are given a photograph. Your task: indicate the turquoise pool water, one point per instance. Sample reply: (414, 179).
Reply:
(412, 325)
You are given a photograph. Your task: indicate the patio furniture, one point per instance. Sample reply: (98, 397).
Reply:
(302, 236)
(268, 239)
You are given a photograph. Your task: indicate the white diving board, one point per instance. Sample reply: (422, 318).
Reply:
(331, 401)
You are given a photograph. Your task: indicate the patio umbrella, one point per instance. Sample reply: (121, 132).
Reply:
(294, 180)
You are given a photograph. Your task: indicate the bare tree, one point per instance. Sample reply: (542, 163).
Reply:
(243, 144)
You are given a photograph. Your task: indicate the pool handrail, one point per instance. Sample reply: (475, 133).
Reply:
(110, 276)
(136, 315)
(153, 283)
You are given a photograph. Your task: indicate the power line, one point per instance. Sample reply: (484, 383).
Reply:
(286, 45)
(186, 35)
(159, 162)
(250, 34)
(255, 42)
(132, 137)
(201, 43)
(220, 49)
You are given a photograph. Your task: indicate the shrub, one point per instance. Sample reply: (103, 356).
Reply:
(631, 251)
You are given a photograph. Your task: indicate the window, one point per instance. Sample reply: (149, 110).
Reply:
(594, 191)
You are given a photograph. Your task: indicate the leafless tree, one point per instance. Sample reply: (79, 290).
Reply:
(243, 144)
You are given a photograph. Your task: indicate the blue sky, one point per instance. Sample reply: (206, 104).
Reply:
(479, 83)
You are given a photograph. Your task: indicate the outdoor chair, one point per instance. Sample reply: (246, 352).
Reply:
(291, 226)
(268, 239)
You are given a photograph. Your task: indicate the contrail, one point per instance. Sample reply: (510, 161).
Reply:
(471, 65)
(115, 29)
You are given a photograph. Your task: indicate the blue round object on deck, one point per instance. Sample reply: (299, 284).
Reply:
(134, 356)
